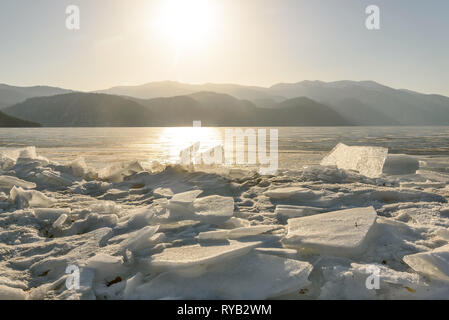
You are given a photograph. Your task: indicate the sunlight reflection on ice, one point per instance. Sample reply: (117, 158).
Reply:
(180, 138)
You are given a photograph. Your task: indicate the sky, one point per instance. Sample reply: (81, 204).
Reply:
(253, 42)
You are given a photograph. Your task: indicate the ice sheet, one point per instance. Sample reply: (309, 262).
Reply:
(335, 233)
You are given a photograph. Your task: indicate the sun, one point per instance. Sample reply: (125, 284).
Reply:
(187, 24)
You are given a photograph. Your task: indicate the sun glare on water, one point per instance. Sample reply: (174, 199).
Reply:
(176, 139)
(187, 24)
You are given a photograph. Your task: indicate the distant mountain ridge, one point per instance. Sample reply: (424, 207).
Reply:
(82, 110)
(166, 89)
(390, 106)
(12, 122)
(10, 95)
(360, 102)
(177, 104)
(94, 110)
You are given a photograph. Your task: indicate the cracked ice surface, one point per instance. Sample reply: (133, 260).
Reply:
(183, 234)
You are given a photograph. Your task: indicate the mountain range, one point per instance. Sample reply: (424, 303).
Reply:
(213, 109)
(10, 95)
(12, 122)
(306, 103)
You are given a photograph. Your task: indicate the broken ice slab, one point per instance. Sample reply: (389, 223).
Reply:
(341, 233)
(296, 211)
(251, 231)
(399, 164)
(213, 209)
(6, 162)
(28, 154)
(51, 214)
(368, 161)
(279, 252)
(250, 277)
(7, 182)
(237, 233)
(183, 201)
(54, 178)
(289, 192)
(117, 173)
(140, 239)
(80, 169)
(29, 198)
(434, 264)
(60, 221)
(105, 266)
(199, 255)
(213, 235)
(163, 192)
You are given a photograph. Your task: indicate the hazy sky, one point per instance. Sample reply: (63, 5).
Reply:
(254, 42)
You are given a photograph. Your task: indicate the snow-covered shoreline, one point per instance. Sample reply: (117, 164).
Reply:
(174, 233)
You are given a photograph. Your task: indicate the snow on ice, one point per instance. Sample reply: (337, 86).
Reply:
(175, 233)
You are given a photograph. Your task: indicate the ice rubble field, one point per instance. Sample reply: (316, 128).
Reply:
(174, 233)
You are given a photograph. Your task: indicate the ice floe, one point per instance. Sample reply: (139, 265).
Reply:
(335, 233)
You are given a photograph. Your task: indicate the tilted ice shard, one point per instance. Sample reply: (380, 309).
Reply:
(253, 276)
(6, 162)
(51, 214)
(296, 211)
(80, 169)
(289, 192)
(237, 233)
(183, 200)
(368, 161)
(54, 178)
(163, 192)
(29, 198)
(105, 266)
(251, 231)
(340, 233)
(7, 182)
(433, 263)
(60, 221)
(117, 173)
(140, 239)
(213, 235)
(190, 256)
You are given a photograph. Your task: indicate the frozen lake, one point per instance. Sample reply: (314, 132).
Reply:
(314, 232)
(297, 146)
